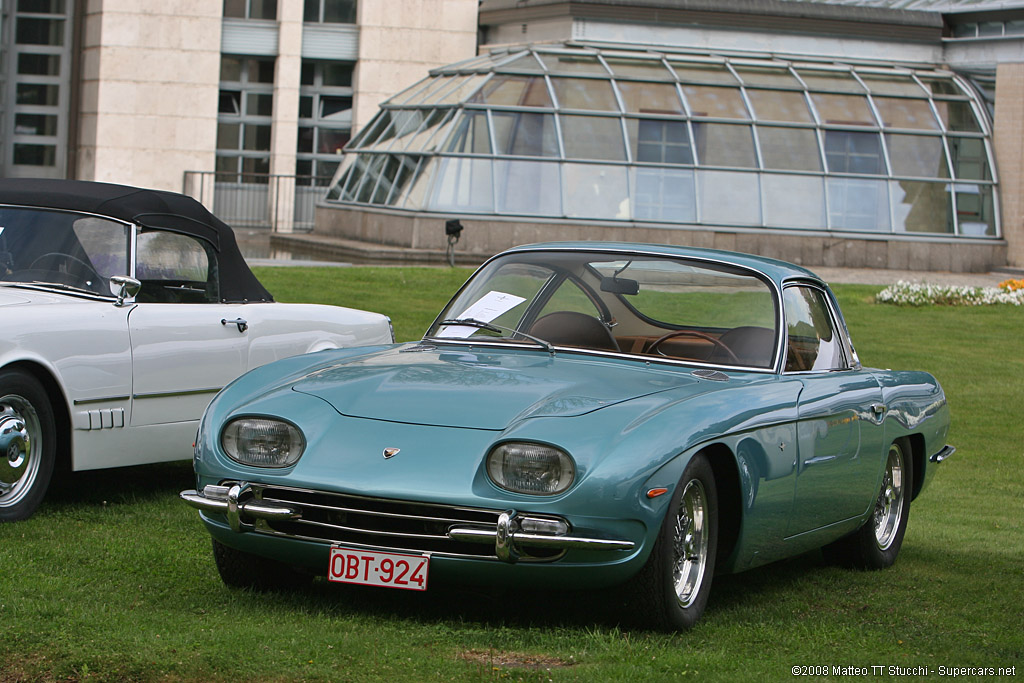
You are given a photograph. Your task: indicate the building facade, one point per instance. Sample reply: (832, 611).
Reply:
(226, 98)
(825, 133)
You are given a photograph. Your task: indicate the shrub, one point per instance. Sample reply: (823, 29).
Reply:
(922, 294)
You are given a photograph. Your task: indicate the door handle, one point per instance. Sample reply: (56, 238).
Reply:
(879, 408)
(243, 324)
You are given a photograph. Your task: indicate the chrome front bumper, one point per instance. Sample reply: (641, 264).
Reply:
(512, 533)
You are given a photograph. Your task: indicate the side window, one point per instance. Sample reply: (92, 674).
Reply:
(174, 268)
(814, 344)
(105, 243)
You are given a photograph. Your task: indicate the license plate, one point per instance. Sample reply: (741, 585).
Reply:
(373, 568)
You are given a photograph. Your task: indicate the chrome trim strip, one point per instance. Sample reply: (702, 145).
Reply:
(471, 535)
(210, 501)
(172, 394)
(369, 513)
(371, 532)
(946, 451)
(105, 399)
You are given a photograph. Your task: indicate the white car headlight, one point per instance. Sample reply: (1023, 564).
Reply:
(531, 468)
(262, 442)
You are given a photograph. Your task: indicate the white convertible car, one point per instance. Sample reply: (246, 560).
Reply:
(122, 312)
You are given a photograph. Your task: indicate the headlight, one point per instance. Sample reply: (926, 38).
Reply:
(262, 442)
(531, 468)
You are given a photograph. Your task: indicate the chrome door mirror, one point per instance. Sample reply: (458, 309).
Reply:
(124, 287)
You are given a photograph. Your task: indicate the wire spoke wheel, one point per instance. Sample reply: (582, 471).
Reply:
(690, 546)
(890, 503)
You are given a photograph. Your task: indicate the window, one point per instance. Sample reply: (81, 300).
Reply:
(250, 9)
(174, 268)
(814, 343)
(325, 119)
(329, 12)
(34, 81)
(244, 119)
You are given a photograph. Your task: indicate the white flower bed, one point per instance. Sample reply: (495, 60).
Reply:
(922, 294)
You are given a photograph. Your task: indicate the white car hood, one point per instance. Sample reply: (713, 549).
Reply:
(9, 297)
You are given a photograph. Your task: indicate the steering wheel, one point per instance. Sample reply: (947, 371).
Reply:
(58, 256)
(693, 333)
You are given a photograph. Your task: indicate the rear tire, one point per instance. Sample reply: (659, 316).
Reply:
(671, 591)
(877, 543)
(239, 569)
(28, 444)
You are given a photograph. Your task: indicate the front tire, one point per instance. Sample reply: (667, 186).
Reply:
(239, 569)
(671, 591)
(877, 543)
(27, 444)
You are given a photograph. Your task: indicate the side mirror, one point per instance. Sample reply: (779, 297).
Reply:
(124, 287)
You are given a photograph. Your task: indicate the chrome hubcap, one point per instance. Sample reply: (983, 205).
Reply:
(19, 463)
(889, 506)
(690, 547)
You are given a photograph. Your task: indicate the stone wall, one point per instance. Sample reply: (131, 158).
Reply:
(486, 236)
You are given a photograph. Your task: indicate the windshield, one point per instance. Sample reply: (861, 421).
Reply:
(651, 306)
(62, 249)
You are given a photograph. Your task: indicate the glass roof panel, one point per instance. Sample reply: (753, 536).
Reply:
(941, 86)
(957, 116)
(703, 72)
(715, 102)
(723, 144)
(426, 138)
(641, 97)
(829, 80)
(921, 156)
(789, 149)
(525, 63)
(514, 91)
(900, 112)
(843, 110)
(471, 135)
(780, 105)
(641, 69)
(659, 141)
(525, 134)
(767, 76)
(466, 87)
(584, 93)
(572, 63)
(593, 137)
(895, 84)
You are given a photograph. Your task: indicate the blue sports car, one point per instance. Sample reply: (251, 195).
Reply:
(580, 414)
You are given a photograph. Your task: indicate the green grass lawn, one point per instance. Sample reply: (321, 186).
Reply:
(113, 578)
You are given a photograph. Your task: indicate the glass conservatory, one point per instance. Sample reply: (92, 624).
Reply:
(581, 132)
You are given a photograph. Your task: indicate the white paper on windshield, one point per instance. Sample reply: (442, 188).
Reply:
(487, 308)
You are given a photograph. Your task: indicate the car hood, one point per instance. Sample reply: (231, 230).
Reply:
(10, 298)
(481, 389)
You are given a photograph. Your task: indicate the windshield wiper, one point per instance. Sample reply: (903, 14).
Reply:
(493, 327)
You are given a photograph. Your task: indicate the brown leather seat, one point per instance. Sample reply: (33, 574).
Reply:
(569, 328)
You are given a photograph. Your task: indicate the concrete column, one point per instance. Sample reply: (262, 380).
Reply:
(400, 41)
(149, 84)
(1008, 141)
(285, 132)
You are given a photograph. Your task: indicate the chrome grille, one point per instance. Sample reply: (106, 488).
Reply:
(393, 524)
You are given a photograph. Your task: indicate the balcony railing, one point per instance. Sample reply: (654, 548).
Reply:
(281, 203)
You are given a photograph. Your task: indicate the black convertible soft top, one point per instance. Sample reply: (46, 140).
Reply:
(148, 208)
